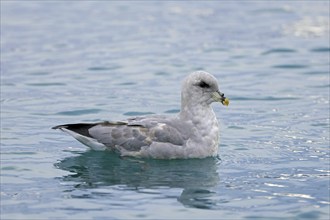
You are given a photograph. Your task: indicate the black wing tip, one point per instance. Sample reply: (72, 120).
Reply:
(75, 126)
(88, 125)
(58, 127)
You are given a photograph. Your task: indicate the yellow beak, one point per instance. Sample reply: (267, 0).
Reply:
(220, 97)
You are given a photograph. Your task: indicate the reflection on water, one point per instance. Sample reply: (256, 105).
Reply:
(195, 177)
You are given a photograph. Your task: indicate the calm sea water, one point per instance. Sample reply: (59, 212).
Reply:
(68, 61)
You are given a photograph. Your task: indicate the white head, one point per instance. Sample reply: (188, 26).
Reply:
(201, 88)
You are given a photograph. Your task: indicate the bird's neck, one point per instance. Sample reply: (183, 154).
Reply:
(196, 111)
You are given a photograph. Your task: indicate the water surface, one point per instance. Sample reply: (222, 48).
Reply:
(66, 62)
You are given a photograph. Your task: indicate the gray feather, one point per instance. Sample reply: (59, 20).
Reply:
(138, 132)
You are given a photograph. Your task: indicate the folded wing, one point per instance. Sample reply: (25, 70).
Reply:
(130, 135)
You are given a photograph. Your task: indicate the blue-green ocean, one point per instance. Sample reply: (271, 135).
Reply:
(87, 61)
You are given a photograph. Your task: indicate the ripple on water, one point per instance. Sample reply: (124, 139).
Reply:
(321, 124)
(266, 98)
(316, 73)
(103, 68)
(162, 73)
(236, 127)
(290, 66)
(137, 113)
(127, 84)
(79, 112)
(172, 111)
(39, 73)
(46, 84)
(321, 49)
(279, 51)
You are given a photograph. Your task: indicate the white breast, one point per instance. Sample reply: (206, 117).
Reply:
(205, 140)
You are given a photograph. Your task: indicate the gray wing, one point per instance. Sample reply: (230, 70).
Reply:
(138, 132)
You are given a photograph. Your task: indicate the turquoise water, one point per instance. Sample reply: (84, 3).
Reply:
(66, 62)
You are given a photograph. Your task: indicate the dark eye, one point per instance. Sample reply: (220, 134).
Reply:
(203, 84)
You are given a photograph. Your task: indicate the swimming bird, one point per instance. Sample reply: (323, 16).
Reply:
(192, 133)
